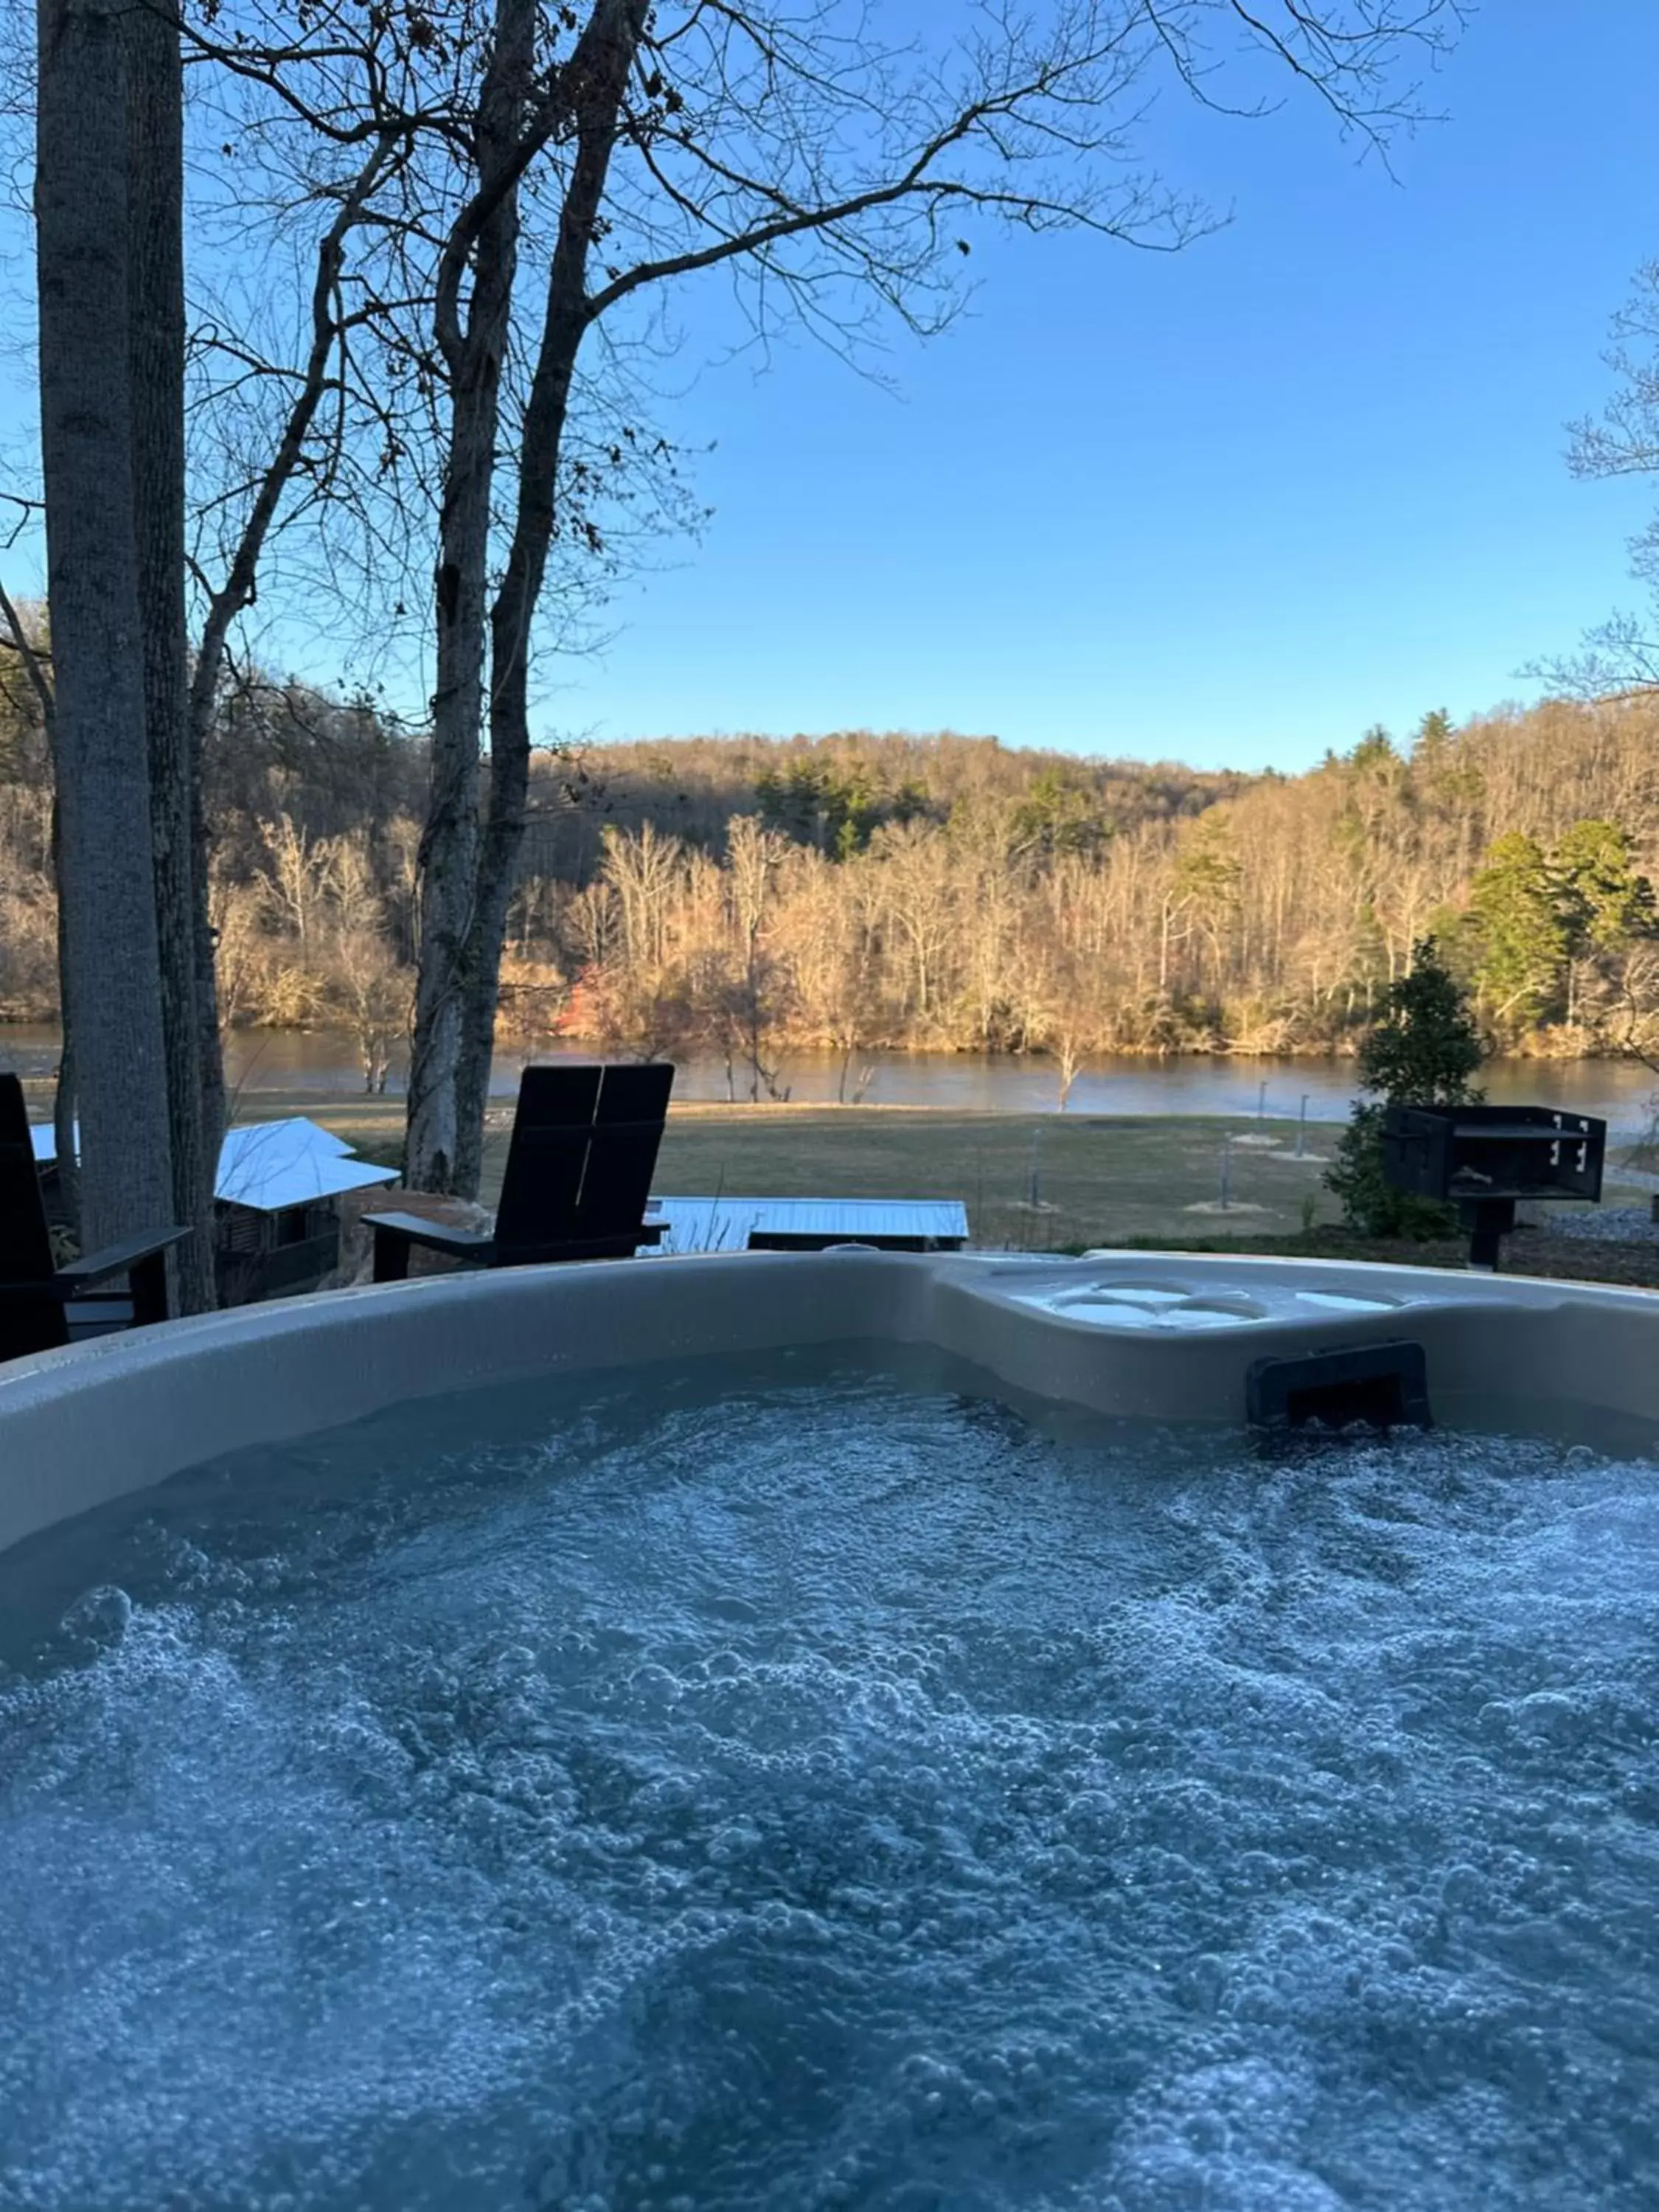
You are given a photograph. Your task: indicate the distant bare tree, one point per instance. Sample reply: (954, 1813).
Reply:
(1622, 654)
(26, 642)
(298, 879)
(754, 1000)
(236, 914)
(370, 988)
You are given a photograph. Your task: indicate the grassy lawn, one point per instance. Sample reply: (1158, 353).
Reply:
(1097, 1181)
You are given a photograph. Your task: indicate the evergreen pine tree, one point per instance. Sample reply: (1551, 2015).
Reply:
(1423, 1051)
(1605, 900)
(1515, 906)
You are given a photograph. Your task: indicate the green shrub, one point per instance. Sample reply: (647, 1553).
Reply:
(1422, 1052)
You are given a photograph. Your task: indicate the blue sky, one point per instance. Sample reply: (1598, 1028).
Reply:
(1231, 506)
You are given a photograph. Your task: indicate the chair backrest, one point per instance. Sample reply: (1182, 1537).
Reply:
(27, 1322)
(583, 1150)
(546, 1158)
(622, 1153)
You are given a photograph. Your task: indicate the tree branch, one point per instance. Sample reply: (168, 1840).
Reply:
(237, 590)
(29, 655)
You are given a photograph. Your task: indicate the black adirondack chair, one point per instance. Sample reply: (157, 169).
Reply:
(578, 1171)
(43, 1305)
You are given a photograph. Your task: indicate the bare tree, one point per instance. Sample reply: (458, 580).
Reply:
(154, 73)
(303, 444)
(370, 988)
(757, 989)
(1070, 1022)
(179, 700)
(412, 128)
(298, 876)
(832, 175)
(1622, 654)
(235, 914)
(833, 954)
(472, 338)
(86, 249)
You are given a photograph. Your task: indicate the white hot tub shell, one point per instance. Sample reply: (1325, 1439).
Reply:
(1137, 1335)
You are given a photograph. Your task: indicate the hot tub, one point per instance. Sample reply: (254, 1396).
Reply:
(833, 1730)
(1114, 1332)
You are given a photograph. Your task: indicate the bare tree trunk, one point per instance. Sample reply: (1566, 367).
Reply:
(64, 1131)
(108, 913)
(598, 71)
(449, 844)
(154, 97)
(210, 1052)
(498, 853)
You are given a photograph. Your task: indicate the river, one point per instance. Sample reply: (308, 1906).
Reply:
(324, 1061)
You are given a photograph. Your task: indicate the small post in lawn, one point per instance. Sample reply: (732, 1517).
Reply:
(1261, 1102)
(1302, 1129)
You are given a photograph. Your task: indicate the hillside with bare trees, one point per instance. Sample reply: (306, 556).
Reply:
(746, 898)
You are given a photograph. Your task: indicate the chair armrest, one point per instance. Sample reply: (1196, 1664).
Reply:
(394, 1234)
(114, 1260)
(579, 1248)
(436, 1236)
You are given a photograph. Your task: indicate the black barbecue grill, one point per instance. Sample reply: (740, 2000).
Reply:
(1485, 1159)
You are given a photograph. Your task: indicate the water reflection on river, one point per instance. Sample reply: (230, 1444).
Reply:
(324, 1061)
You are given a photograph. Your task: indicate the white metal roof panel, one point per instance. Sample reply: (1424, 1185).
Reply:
(726, 1224)
(268, 1165)
(291, 1135)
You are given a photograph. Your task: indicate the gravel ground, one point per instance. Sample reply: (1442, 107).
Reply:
(1604, 1225)
(1632, 1262)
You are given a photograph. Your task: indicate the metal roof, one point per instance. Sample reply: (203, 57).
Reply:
(269, 1165)
(319, 1139)
(726, 1224)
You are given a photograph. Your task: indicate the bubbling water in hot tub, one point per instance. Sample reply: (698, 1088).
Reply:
(817, 1784)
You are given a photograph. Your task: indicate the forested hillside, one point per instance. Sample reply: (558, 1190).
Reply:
(750, 896)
